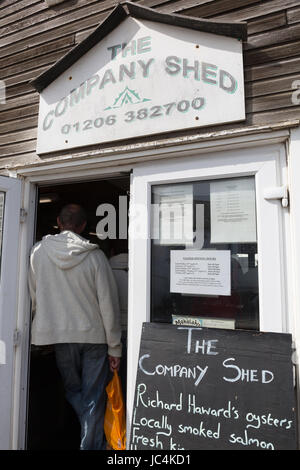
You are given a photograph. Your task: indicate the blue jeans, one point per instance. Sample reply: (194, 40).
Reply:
(85, 373)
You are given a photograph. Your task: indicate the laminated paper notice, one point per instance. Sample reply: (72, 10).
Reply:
(203, 272)
(232, 211)
(172, 215)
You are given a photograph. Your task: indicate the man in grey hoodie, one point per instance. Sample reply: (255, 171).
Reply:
(75, 307)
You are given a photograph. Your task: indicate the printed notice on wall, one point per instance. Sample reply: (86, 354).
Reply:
(203, 272)
(232, 211)
(172, 215)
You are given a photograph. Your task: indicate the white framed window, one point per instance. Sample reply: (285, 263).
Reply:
(206, 177)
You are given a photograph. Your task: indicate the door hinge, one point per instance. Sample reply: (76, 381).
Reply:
(278, 192)
(17, 337)
(23, 215)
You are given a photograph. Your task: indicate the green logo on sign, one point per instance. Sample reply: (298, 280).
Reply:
(127, 96)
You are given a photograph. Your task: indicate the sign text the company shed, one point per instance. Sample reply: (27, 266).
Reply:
(173, 66)
(121, 82)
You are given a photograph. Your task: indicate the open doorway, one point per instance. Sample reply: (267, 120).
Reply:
(52, 423)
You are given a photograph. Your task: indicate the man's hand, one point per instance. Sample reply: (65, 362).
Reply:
(114, 363)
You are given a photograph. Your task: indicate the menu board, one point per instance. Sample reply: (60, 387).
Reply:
(214, 389)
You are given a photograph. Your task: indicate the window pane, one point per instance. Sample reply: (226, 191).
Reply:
(204, 253)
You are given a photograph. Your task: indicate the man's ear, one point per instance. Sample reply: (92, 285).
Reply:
(59, 223)
(83, 227)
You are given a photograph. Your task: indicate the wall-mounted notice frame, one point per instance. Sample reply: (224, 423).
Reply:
(202, 272)
(172, 215)
(233, 211)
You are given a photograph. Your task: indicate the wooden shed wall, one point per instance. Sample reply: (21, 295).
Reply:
(34, 36)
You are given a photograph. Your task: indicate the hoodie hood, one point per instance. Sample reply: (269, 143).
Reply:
(67, 249)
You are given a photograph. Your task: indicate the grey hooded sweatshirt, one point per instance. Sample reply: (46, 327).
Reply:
(74, 294)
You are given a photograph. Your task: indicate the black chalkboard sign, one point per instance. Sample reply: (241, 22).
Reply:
(206, 388)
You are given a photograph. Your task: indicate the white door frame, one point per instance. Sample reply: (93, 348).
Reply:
(8, 302)
(97, 168)
(268, 165)
(23, 324)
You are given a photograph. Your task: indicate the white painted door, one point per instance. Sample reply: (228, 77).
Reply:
(10, 200)
(253, 171)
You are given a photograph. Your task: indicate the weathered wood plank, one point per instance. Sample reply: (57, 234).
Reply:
(293, 15)
(19, 136)
(268, 102)
(29, 54)
(18, 124)
(258, 9)
(23, 159)
(213, 9)
(28, 146)
(34, 63)
(6, 3)
(25, 77)
(271, 53)
(273, 69)
(42, 13)
(276, 36)
(19, 16)
(16, 113)
(270, 117)
(25, 100)
(79, 37)
(18, 90)
(158, 3)
(173, 6)
(49, 35)
(267, 23)
(269, 87)
(57, 21)
(8, 7)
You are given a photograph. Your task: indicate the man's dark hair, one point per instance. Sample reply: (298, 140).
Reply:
(72, 216)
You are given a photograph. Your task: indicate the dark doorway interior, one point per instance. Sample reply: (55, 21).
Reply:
(52, 423)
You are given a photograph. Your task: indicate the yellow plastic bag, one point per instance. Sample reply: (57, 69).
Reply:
(114, 421)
